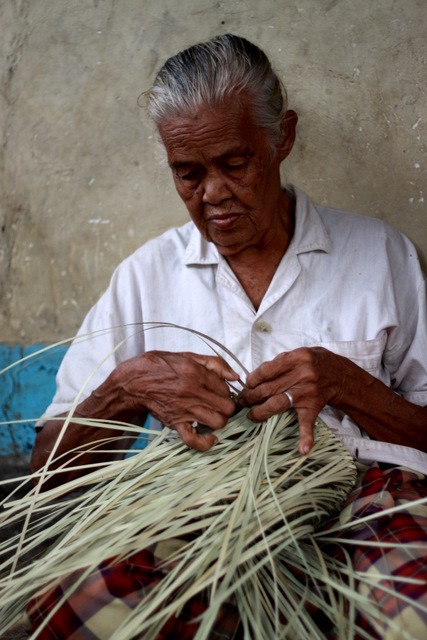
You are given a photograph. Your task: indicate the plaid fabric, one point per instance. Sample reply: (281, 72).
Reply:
(405, 530)
(105, 599)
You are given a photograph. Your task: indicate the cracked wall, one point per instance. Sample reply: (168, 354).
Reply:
(82, 183)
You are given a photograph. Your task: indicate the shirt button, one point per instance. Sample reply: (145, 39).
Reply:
(263, 326)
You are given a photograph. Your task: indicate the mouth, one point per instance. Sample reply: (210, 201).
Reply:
(224, 221)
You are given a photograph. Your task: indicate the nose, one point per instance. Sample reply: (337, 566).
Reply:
(215, 188)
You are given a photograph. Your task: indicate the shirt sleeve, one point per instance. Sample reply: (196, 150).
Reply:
(406, 351)
(110, 333)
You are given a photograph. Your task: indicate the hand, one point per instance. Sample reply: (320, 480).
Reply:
(313, 376)
(179, 389)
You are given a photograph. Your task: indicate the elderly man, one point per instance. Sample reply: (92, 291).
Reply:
(326, 309)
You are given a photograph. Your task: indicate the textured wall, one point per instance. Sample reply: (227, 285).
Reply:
(25, 391)
(81, 181)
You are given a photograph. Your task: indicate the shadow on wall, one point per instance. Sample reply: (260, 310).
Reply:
(25, 391)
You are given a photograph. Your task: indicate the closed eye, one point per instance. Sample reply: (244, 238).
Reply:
(190, 175)
(235, 167)
(187, 174)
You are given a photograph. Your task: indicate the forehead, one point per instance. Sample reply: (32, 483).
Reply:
(211, 132)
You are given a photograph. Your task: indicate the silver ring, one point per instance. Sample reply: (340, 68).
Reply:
(290, 398)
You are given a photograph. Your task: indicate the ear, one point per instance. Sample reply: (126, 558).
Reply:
(288, 130)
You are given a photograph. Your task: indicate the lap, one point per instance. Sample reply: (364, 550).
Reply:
(384, 529)
(107, 598)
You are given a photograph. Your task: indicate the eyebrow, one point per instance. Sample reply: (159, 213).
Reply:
(181, 164)
(237, 152)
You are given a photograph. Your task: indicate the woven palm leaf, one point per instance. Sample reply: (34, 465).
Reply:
(241, 523)
(233, 522)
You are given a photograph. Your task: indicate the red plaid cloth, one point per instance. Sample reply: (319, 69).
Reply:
(382, 488)
(105, 598)
(96, 609)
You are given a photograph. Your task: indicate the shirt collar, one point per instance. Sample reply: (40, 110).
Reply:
(310, 234)
(199, 250)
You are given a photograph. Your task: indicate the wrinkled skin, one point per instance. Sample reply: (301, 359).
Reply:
(314, 377)
(317, 377)
(179, 389)
(226, 174)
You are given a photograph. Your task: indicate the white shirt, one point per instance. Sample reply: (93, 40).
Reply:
(347, 282)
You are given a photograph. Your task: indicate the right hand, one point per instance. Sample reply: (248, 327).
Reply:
(178, 389)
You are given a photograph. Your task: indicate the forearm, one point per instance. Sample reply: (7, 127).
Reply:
(81, 443)
(381, 412)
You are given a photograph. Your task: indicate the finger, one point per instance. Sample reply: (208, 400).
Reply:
(306, 420)
(174, 414)
(195, 386)
(210, 418)
(196, 379)
(212, 409)
(280, 403)
(217, 365)
(257, 394)
(195, 440)
(268, 371)
(277, 403)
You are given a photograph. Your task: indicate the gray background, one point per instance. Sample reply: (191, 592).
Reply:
(82, 180)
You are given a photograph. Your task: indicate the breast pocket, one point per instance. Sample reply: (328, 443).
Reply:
(367, 354)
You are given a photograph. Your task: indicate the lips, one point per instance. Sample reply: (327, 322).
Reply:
(225, 221)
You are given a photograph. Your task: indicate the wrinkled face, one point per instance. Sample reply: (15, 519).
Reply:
(226, 174)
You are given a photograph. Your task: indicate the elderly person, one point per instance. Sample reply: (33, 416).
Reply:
(326, 309)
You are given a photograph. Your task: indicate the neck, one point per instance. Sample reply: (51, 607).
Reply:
(256, 266)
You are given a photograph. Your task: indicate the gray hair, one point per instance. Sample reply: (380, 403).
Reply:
(211, 72)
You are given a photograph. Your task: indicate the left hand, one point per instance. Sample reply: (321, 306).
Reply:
(313, 376)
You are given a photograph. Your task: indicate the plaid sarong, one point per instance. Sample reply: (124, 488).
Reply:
(384, 487)
(104, 599)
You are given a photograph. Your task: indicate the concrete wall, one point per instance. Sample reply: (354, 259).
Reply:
(81, 185)
(25, 391)
(81, 180)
